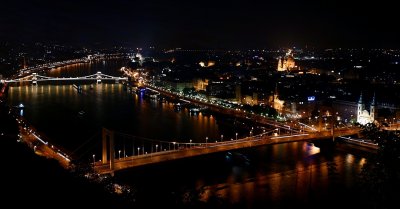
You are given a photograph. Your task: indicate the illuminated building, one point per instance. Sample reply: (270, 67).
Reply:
(287, 63)
(276, 103)
(209, 64)
(200, 84)
(363, 116)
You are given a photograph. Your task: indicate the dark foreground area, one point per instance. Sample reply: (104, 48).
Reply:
(39, 182)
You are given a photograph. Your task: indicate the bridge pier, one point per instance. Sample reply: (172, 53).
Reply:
(108, 139)
(34, 78)
(98, 77)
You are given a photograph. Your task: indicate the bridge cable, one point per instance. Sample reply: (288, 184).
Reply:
(85, 143)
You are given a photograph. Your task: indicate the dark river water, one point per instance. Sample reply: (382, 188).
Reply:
(273, 176)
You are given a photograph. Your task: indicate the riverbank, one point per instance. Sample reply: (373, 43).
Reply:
(41, 180)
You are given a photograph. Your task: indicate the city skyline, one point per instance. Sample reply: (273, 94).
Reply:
(200, 104)
(205, 24)
(220, 123)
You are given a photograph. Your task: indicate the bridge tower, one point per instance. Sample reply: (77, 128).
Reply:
(24, 64)
(34, 78)
(98, 77)
(108, 139)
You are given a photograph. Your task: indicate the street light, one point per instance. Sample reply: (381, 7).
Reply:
(206, 140)
(236, 135)
(190, 145)
(94, 159)
(138, 151)
(174, 144)
(119, 154)
(222, 137)
(156, 147)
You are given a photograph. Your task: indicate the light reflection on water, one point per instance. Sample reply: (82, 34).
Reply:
(310, 149)
(295, 183)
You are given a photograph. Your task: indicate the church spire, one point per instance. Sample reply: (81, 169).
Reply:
(373, 100)
(360, 101)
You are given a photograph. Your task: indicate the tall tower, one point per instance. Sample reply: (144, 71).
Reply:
(280, 64)
(360, 108)
(275, 93)
(254, 99)
(276, 102)
(372, 109)
(238, 92)
(24, 63)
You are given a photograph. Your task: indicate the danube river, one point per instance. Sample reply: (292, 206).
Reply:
(274, 176)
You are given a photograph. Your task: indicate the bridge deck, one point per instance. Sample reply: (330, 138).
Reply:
(158, 157)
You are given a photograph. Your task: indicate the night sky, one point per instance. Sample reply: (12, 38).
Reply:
(234, 24)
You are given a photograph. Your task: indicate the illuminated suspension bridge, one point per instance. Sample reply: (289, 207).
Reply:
(98, 77)
(144, 151)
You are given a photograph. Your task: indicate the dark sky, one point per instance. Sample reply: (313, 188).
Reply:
(203, 24)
